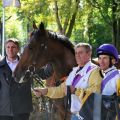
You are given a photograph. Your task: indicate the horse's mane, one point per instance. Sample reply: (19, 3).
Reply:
(62, 39)
(57, 38)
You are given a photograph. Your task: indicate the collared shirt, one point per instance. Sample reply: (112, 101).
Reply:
(83, 83)
(111, 86)
(109, 69)
(12, 64)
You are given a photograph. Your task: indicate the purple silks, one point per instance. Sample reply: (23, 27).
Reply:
(104, 82)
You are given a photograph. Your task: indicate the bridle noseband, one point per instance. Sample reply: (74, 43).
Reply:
(31, 74)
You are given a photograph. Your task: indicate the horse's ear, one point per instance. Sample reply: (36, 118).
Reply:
(34, 26)
(41, 26)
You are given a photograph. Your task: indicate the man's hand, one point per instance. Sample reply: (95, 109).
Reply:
(40, 91)
(72, 89)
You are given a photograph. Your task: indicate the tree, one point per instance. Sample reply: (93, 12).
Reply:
(63, 13)
(80, 20)
(0, 26)
(65, 21)
(116, 24)
(108, 10)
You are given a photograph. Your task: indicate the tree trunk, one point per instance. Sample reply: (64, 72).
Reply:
(72, 21)
(116, 26)
(118, 35)
(68, 23)
(57, 17)
(0, 35)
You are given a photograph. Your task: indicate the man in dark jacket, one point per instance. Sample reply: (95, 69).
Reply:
(15, 99)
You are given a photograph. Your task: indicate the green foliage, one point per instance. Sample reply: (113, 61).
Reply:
(14, 29)
(118, 9)
(93, 22)
(0, 9)
(99, 34)
(78, 36)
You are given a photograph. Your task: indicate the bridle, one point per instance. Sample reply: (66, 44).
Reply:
(31, 74)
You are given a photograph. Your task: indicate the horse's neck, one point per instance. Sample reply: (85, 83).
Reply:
(63, 59)
(63, 67)
(58, 68)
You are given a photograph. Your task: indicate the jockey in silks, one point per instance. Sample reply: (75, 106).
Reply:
(110, 85)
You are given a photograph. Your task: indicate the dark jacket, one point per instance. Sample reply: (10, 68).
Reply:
(14, 98)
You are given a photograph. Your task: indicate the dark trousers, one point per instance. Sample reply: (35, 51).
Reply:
(16, 117)
(108, 113)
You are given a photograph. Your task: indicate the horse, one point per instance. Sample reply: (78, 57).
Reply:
(45, 46)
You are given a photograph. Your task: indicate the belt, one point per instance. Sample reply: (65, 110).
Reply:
(75, 113)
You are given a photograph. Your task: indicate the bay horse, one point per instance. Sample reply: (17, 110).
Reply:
(47, 47)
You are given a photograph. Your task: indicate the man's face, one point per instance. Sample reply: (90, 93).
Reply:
(82, 56)
(11, 50)
(104, 61)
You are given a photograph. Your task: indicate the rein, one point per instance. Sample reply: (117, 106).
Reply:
(31, 74)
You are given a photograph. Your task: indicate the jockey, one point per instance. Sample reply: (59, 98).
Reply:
(107, 57)
(86, 76)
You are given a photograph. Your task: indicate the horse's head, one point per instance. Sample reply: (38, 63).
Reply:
(35, 52)
(43, 47)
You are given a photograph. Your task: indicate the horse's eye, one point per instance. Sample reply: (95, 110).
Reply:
(30, 46)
